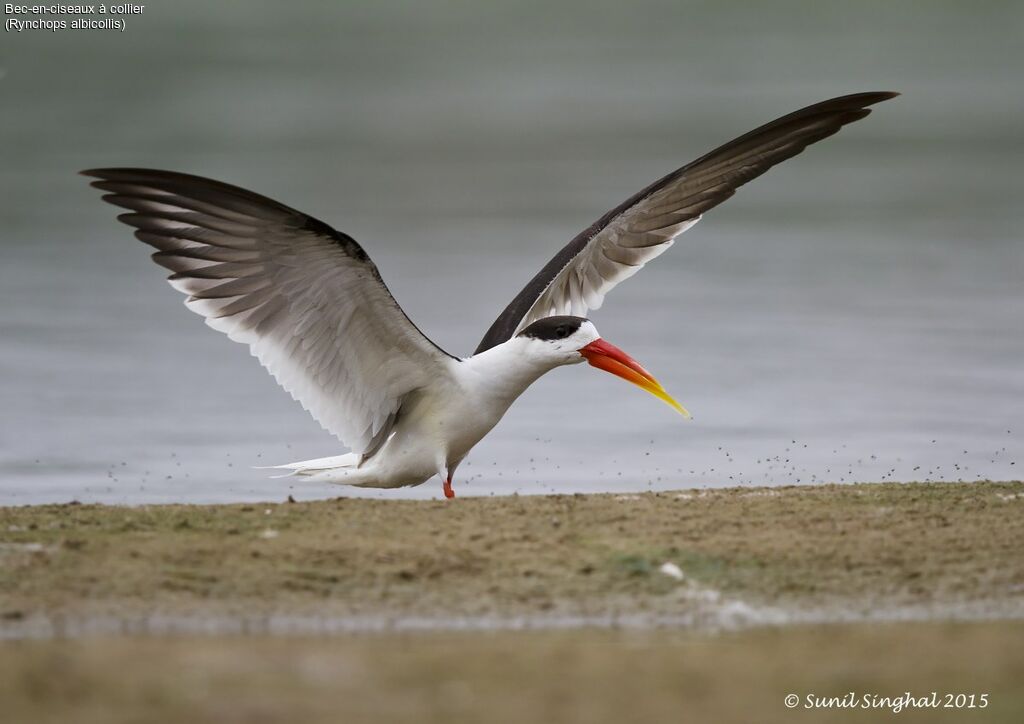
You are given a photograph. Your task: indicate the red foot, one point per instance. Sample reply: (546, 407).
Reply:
(448, 492)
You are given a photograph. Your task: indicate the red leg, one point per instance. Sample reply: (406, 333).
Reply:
(448, 492)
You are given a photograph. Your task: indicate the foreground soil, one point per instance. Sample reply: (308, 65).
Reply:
(855, 550)
(930, 575)
(584, 676)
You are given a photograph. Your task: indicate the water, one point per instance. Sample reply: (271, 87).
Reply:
(854, 315)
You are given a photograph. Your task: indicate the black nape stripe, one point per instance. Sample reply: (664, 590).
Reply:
(553, 328)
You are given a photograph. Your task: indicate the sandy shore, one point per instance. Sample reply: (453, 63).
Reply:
(705, 558)
(650, 604)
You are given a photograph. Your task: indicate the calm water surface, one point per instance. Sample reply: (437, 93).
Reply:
(857, 314)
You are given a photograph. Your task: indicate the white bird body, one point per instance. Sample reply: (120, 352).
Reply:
(441, 423)
(444, 421)
(313, 308)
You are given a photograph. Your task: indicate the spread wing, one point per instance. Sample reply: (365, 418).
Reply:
(618, 244)
(305, 298)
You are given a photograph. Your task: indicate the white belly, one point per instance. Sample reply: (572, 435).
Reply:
(430, 438)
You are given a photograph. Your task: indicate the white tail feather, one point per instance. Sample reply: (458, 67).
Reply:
(319, 465)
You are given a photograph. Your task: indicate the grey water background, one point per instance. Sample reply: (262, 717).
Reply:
(855, 315)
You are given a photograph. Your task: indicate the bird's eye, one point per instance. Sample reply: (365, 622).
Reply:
(562, 332)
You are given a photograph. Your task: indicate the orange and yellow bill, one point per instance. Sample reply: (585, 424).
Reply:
(608, 357)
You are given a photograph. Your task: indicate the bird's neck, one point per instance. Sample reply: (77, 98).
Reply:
(503, 372)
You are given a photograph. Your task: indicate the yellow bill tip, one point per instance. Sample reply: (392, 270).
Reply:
(661, 394)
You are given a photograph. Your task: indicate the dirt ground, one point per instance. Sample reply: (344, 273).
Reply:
(860, 547)
(715, 603)
(577, 676)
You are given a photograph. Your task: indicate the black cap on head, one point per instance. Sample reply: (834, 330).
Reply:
(552, 328)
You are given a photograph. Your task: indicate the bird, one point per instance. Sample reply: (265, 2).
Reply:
(314, 310)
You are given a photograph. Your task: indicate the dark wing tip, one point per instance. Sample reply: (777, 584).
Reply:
(129, 174)
(859, 103)
(849, 102)
(100, 174)
(124, 172)
(206, 195)
(205, 191)
(867, 98)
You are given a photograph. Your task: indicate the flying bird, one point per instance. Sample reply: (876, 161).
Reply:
(315, 311)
